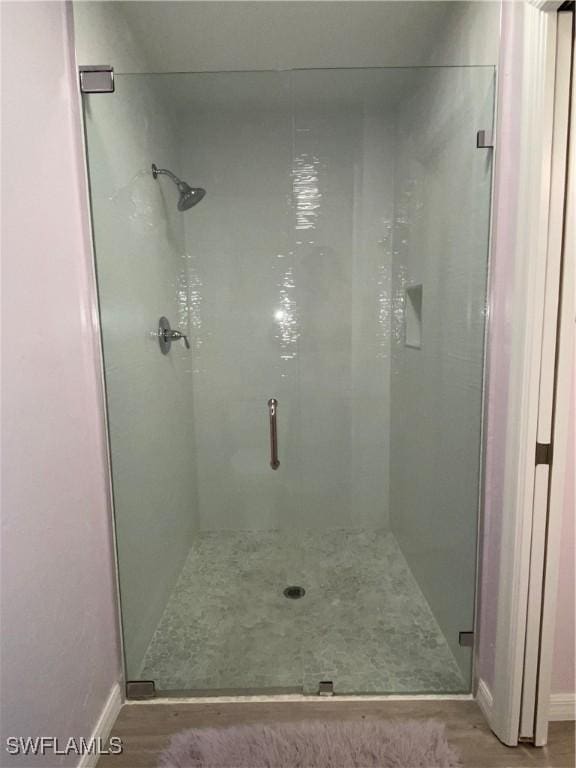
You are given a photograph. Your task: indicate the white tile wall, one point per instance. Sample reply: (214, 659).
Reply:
(291, 255)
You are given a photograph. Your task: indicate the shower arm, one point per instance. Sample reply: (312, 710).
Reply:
(188, 196)
(164, 171)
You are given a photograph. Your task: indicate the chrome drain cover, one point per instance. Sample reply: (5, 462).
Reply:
(294, 593)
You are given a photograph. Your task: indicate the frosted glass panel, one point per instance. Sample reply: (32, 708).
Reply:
(337, 263)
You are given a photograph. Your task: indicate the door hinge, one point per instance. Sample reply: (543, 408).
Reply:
(544, 453)
(140, 689)
(466, 639)
(485, 139)
(97, 79)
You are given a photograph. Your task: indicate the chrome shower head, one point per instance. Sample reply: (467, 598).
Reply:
(189, 196)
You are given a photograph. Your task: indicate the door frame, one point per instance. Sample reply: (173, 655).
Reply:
(563, 400)
(529, 48)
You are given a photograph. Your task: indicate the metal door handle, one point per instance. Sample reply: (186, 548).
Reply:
(272, 409)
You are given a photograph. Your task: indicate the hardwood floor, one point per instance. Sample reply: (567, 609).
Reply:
(146, 728)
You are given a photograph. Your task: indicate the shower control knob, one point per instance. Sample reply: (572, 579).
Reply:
(176, 335)
(167, 335)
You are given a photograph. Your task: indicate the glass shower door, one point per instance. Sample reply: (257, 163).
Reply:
(197, 505)
(391, 279)
(336, 265)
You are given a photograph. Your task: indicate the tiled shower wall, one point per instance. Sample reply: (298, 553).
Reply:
(441, 243)
(139, 237)
(289, 279)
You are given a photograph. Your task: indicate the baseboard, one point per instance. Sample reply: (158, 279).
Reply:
(104, 725)
(484, 700)
(562, 706)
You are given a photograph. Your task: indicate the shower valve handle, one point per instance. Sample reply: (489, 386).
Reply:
(167, 335)
(175, 336)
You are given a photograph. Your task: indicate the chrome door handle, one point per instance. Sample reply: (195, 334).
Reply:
(272, 409)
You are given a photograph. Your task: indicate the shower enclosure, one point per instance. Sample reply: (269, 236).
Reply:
(294, 372)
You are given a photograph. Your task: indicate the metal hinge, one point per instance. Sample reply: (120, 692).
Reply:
(466, 639)
(544, 453)
(484, 139)
(98, 78)
(140, 689)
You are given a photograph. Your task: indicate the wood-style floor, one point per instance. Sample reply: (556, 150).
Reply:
(146, 728)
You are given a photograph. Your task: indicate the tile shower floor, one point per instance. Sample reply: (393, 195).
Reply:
(363, 622)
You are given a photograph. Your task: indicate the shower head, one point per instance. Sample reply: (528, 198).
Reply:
(189, 196)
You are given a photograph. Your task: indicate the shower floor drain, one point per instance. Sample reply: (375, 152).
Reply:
(294, 592)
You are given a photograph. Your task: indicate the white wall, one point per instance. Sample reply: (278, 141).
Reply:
(238, 238)
(343, 274)
(142, 270)
(469, 35)
(291, 268)
(60, 645)
(216, 36)
(441, 243)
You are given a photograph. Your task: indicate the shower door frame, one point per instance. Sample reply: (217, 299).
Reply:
(500, 706)
(145, 689)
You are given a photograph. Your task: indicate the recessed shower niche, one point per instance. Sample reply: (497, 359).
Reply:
(413, 316)
(286, 290)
